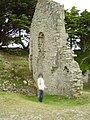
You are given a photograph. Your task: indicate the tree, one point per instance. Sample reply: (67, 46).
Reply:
(84, 30)
(15, 16)
(71, 20)
(78, 27)
(4, 37)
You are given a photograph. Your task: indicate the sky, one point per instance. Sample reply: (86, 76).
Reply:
(79, 4)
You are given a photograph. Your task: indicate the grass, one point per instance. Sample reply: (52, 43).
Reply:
(49, 99)
(60, 101)
(14, 68)
(86, 89)
(19, 107)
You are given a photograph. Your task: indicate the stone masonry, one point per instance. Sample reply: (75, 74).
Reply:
(49, 53)
(86, 79)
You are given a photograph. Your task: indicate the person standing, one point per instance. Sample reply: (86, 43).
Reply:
(41, 86)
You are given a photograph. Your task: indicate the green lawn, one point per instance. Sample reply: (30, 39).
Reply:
(14, 68)
(15, 106)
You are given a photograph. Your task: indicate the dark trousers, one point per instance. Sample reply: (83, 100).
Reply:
(41, 94)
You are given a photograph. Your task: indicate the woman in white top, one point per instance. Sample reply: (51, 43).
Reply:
(41, 86)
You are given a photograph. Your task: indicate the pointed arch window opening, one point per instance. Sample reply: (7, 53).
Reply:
(41, 39)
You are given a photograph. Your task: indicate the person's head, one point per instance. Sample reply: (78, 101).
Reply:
(40, 75)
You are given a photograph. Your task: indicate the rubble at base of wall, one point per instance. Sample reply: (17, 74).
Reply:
(26, 90)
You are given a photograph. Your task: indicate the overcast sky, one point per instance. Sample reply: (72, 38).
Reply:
(80, 4)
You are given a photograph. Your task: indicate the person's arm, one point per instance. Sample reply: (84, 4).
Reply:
(39, 83)
(44, 85)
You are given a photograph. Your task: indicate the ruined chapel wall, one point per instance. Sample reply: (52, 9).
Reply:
(50, 54)
(50, 25)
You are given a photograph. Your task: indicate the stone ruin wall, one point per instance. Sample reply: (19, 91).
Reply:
(86, 79)
(49, 53)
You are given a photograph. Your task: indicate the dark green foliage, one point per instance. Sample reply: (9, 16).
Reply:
(78, 27)
(16, 52)
(71, 23)
(15, 16)
(83, 58)
(84, 30)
